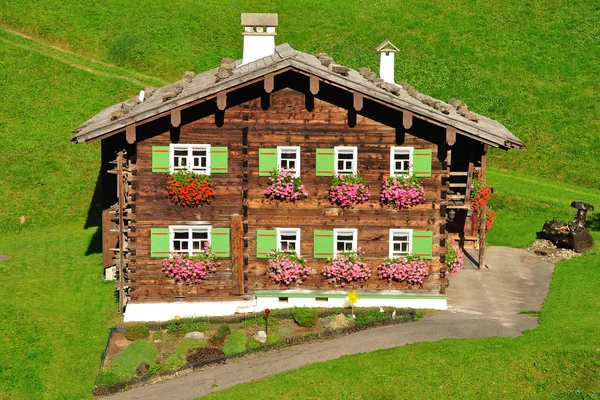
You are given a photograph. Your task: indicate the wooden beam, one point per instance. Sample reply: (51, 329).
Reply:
(237, 255)
(482, 215)
(130, 134)
(469, 181)
(314, 85)
(269, 83)
(407, 119)
(222, 100)
(176, 117)
(358, 101)
(450, 135)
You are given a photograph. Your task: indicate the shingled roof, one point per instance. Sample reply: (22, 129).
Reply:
(192, 89)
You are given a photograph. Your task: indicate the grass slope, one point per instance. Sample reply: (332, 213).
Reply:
(560, 359)
(530, 65)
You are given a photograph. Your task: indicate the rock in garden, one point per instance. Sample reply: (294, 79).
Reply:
(325, 323)
(142, 369)
(195, 335)
(339, 322)
(261, 336)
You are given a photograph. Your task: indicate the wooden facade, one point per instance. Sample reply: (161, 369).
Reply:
(288, 108)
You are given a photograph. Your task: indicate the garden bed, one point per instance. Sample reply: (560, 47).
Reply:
(139, 354)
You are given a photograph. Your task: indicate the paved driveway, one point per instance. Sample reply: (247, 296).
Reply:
(482, 303)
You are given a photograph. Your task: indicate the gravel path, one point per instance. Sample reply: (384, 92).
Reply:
(482, 303)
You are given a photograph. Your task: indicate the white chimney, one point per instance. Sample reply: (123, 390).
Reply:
(259, 36)
(386, 65)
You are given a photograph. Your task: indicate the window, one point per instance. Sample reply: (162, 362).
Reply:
(401, 160)
(345, 159)
(288, 239)
(400, 242)
(344, 240)
(191, 157)
(288, 157)
(189, 239)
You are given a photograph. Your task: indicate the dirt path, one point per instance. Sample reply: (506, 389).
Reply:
(482, 304)
(18, 39)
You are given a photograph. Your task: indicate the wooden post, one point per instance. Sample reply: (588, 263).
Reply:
(107, 257)
(121, 189)
(237, 255)
(482, 213)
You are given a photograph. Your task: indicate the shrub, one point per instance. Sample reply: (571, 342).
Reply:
(274, 338)
(287, 268)
(235, 343)
(137, 331)
(108, 377)
(455, 259)
(173, 362)
(402, 191)
(372, 316)
(411, 270)
(348, 190)
(126, 362)
(188, 189)
(284, 186)
(259, 323)
(253, 343)
(305, 317)
(181, 327)
(188, 344)
(190, 269)
(348, 266)
(221, 334)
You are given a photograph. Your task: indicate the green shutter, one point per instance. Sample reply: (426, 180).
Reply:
(267, 161)
(422, 162)
(422, 244)
(323, 244)
(159, 242)
(219, 242)
(160, 159)
(325, 162)
(218, 160)
(266, 242)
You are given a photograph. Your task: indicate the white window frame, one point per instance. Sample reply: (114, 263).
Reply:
(345, 231)
(190, 229)
(345, 150)
(398, 149)
(190, 149)
(409, 233)
(283, 231)
(289, 149)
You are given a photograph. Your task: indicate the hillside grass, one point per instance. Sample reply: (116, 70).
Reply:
(532, 65)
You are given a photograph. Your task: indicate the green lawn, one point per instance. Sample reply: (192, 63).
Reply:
(531, 65)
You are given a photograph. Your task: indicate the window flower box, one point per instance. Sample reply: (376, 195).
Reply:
(189, 189)
(347, 267)
(411, 270)
(287, 268)
(348, 190)
(284, 185)
(190, 270)
(402, 191)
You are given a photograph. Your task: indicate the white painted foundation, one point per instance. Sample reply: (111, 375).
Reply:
(143, 312)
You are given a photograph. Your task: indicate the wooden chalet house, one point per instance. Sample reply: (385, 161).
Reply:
(279, 107)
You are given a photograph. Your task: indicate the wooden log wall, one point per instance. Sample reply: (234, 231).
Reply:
(246, 128)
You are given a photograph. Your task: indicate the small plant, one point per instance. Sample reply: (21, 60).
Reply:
(351, 300)
(183, 326)
(348, 266)
(481, 192)
(258, 323)
(455, 259)
(235, 343)
(287, 268)
(221, 334)
(172, 363)
(372, 317)
(490, 216)
(402, 191)
(188, 344)
(188, 189)
(253, 343)
(305, 317)
(284, 186)
(136, 331)
(274, 338)
(190, 269)
(348, 190)
(411, 270)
